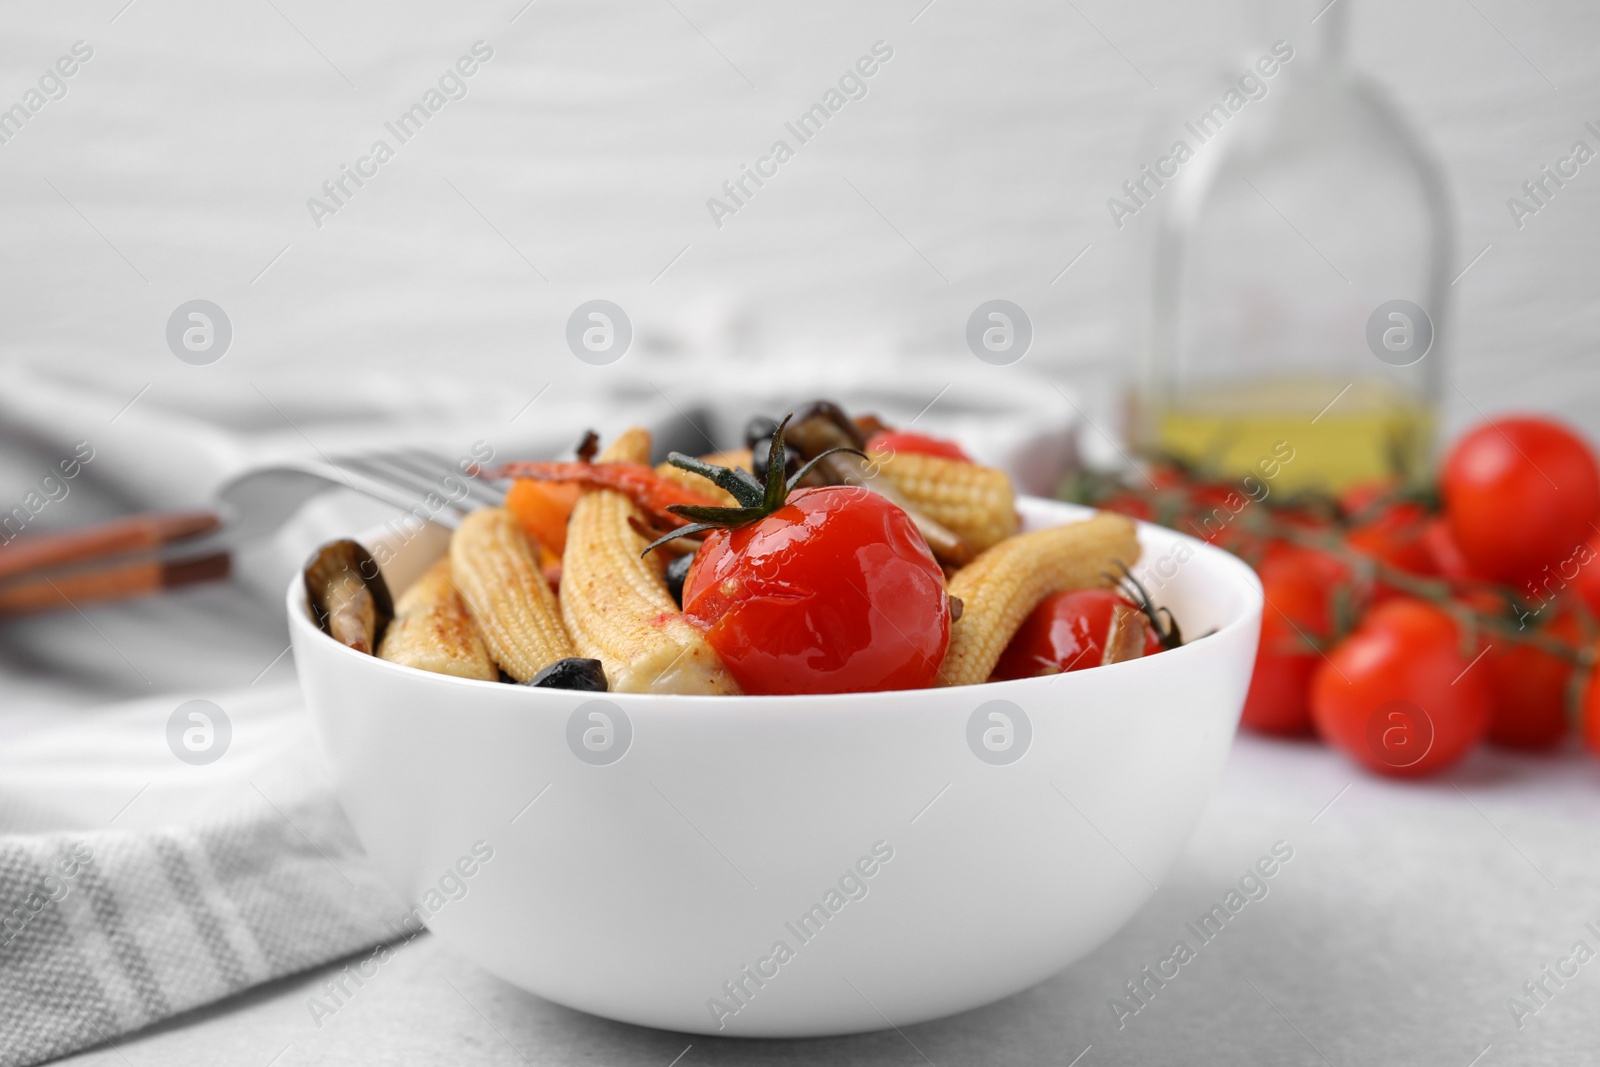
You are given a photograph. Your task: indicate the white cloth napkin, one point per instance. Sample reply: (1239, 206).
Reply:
(135, 885)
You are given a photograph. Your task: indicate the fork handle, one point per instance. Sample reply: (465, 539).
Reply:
(117, 581)
(135, 533)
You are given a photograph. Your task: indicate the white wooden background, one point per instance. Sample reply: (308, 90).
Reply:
(179, 163)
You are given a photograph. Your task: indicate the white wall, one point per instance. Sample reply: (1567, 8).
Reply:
(591, 141)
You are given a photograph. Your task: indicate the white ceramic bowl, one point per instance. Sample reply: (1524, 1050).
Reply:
(656, 888)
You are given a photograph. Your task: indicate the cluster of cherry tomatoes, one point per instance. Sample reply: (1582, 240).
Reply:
(1405, 622)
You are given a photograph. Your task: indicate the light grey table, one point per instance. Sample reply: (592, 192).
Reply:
(1407, 918)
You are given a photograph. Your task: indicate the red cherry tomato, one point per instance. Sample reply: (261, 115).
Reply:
(1530, 688)
(1589, 723)
(1520, 494)
(904, 441)
(1299, 583)
(1588, 580)
(1167, 476)
(1356, 500)
(1398, 696)
(1396, 535)
(834, 592)
(1216, 516)
(1448, 562)
(1130, 504)
(1066, 632)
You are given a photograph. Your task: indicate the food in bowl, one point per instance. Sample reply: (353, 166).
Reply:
(834, 555)
(650, 847)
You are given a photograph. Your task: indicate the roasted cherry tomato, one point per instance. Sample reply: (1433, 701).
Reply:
(1399, 695)
(1067, 632)
(902, 441)
(1299, 583)
(1521, 494)
(833, 592)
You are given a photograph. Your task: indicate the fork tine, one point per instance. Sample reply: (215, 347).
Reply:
(478, 488)
(419, 488)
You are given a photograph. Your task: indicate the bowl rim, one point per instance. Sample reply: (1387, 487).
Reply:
(1241, 572)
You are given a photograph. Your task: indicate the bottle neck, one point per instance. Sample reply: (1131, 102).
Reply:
(1317, 29)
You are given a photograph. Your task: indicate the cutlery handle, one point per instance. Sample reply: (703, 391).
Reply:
(136, 533)
(116, 582)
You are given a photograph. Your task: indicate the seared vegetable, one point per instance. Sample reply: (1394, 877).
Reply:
(433, 632)
(616, 603)
(500, 581)
(347, 594)
(976, 503)
(823, 427)
(1127, 636)
(822, 590)
(1077, 630)
(632, 478)
(543, 509)
(1004, 584)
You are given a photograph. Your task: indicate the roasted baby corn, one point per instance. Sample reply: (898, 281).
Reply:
(999, 588)
(616, 604)
(432, 631)
(978, 504)
(497, 576)
(736, 458)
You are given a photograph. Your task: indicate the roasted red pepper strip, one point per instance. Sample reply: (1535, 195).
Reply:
(641, 484)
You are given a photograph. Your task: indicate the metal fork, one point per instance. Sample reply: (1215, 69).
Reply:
(145, 553)
(257, 503)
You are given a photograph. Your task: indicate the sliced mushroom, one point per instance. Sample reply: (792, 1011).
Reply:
(1160, 619)
(814, 415)
(1125, 635)
(823, 425)
(348, 596)
(869, 425)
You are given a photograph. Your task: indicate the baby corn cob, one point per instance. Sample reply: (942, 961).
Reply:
(616, 604)
(737, 458)
(498, 578)
(733, 457)
(975, 503)
(999, 588)
(432, 631)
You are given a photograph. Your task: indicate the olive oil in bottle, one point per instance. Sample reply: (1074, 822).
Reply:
(1340, 433)
(1298, 224)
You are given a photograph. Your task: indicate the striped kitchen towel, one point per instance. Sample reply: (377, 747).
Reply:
(104, 932)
